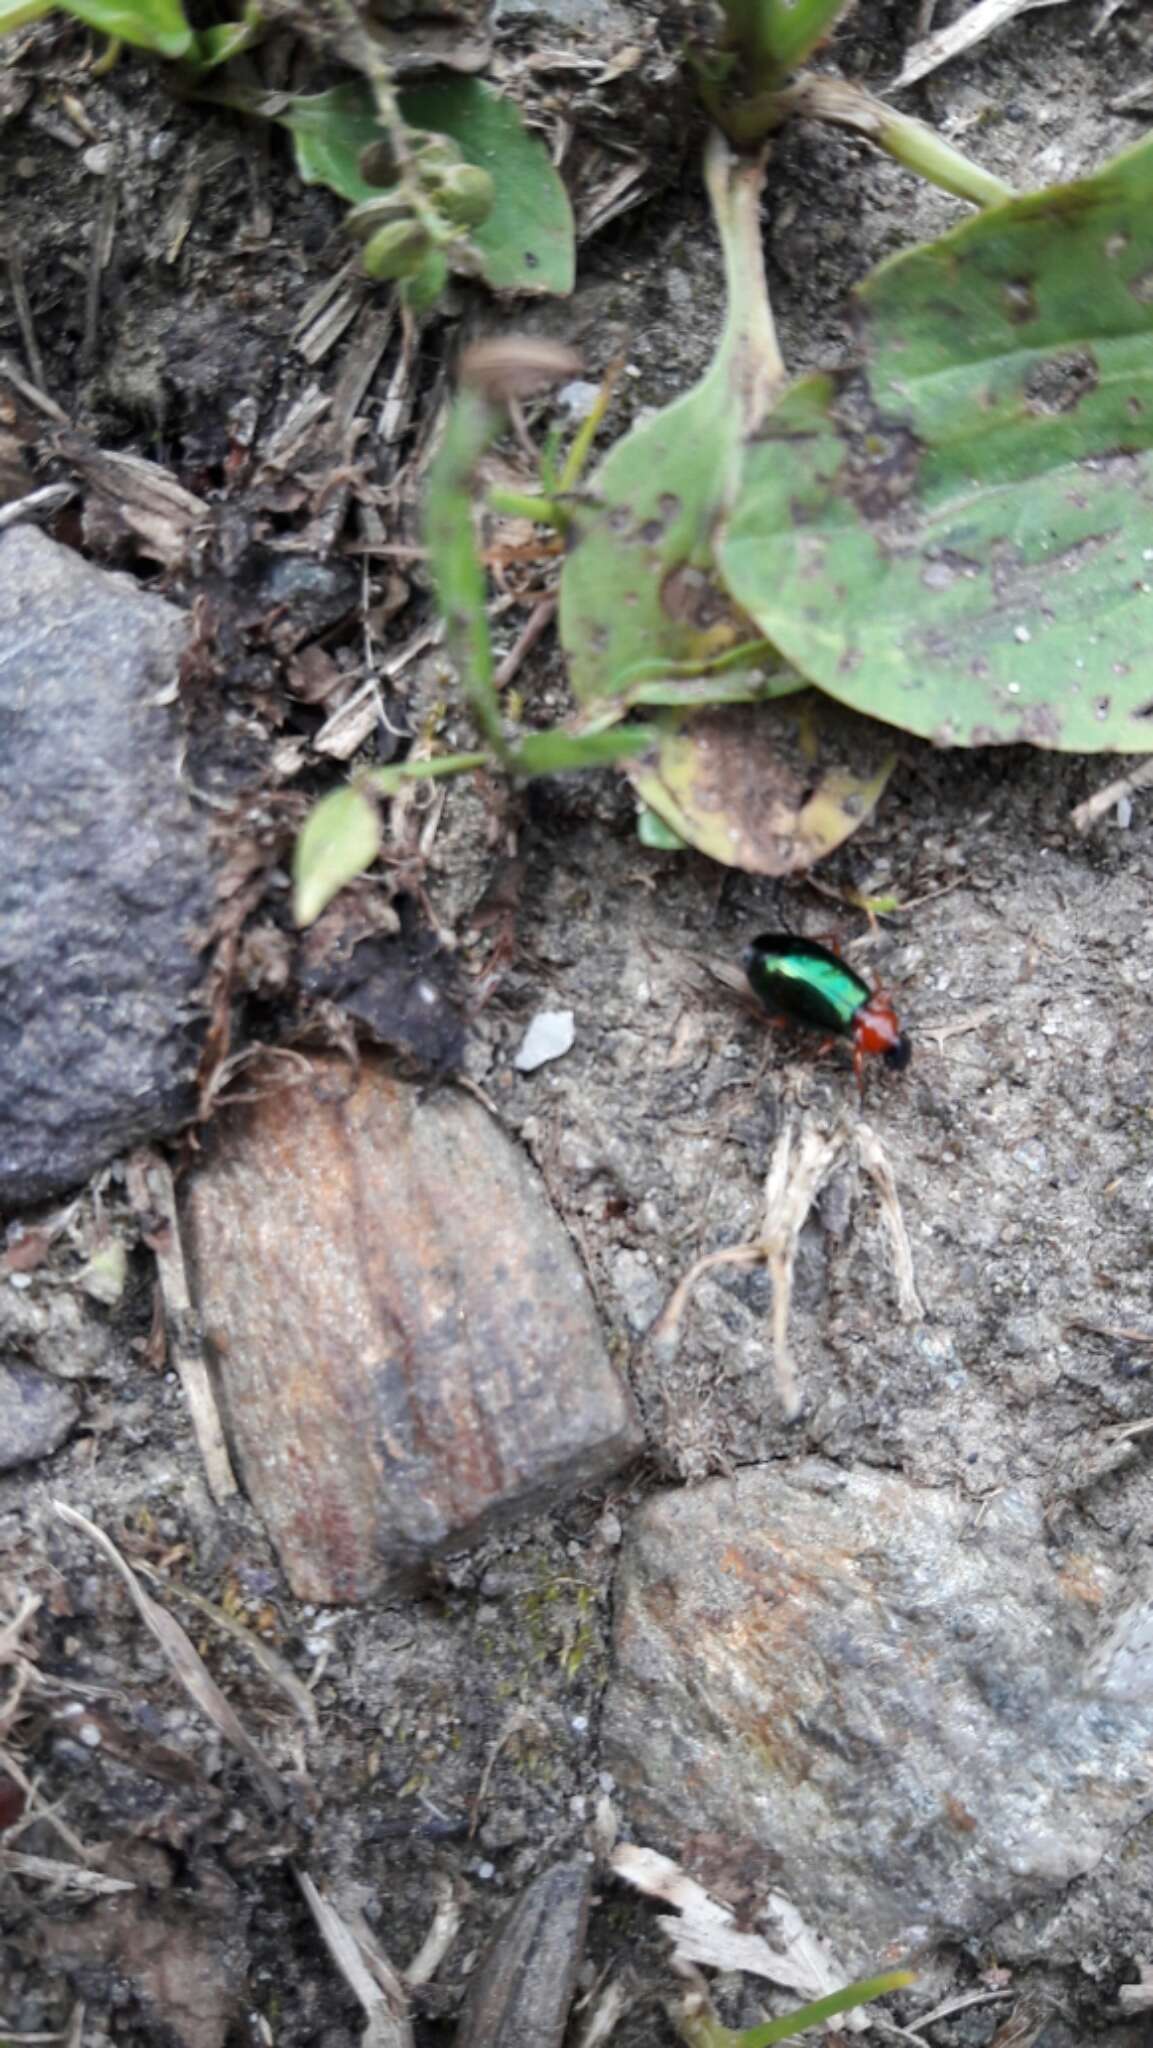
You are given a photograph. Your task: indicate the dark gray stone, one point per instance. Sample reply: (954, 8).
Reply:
(36, 1414)
(521, 1993)
(105, 886)
(899, 1698)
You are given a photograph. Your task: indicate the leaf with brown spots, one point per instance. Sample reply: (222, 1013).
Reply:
(643, 615)
(957, 535)
(767, 787)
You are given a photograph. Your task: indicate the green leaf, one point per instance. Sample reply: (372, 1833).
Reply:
(158, 25)
(338, 841)
(822, 2009)
(656, 835)
(527, 244)
(639, 599)
(771, 788)
(956, 535)
(457, 571)
(554, 753)
(18, 13)
(215, 46)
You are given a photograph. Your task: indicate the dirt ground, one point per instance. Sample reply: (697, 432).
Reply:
(457, 1744)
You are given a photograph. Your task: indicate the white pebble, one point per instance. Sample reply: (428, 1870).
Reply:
(549, 1037)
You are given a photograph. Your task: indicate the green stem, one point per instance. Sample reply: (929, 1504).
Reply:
(387, 781)
(749, 33)
(586, 433)
(526, 505)
(748, 358)
(767, 39)
(795, 27)
(456, 567)
(367, 57)
(911, 142)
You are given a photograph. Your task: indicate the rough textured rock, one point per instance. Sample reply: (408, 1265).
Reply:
(105, 889)
(406, 1344)
(36, 1415)
(899, 1696)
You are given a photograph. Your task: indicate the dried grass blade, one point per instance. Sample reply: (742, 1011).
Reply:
(185, 1660)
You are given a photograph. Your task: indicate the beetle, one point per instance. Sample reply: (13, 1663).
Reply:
(806, 980)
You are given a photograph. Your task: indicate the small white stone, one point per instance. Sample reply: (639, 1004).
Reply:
(579, 397)
(549, 1037)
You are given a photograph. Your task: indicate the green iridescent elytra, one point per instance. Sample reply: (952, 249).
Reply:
(805, 980)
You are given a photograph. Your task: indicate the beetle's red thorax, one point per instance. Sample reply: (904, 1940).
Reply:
(875, 1026)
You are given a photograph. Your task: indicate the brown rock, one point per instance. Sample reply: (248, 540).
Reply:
(406, 1345)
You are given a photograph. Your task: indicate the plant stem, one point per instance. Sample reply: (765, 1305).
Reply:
(911, 142)
(526, 505)
(456, 566)
(386, 781)
(795, 27)
(767, 39)
(749, 357)
(749, 33)
(586, 434)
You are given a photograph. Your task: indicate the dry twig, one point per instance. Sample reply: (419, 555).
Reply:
(366, 1971)
(1114, 793)
(184, 1660)
(151, 1192)
(798, 1170)
(962, 34)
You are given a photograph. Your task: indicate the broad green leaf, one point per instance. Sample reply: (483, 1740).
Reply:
(158, 25)
(957, 535)
(639, 600)
(555, 753)
(767, 787)
(527, 244)
(329, 131)
(338, 841)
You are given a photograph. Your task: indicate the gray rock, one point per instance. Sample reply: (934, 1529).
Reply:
(36, 1414)
(105, 890)
(894, 1695)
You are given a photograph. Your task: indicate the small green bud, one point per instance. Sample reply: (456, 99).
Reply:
(378, 163)
(364, 220)
(397, 250)
(424, 287)
(465, 196)
(433, 155)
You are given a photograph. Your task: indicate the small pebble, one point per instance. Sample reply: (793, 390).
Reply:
(549, 1037)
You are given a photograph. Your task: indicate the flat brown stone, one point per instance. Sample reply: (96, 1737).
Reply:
(406, 1346)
